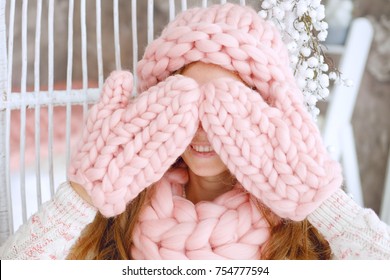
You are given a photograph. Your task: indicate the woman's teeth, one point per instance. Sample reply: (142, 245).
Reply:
(202, 149)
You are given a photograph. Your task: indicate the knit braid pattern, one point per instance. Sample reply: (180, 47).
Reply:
(265, 137)
(275, 152)
(128, 144)
(172, 227)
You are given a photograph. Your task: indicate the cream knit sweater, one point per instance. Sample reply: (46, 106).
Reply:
(353, 232)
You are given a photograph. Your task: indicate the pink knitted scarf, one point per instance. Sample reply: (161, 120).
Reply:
(172, 227)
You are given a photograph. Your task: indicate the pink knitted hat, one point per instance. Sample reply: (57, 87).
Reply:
(232, 36)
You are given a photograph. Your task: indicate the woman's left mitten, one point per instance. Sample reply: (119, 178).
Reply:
(273, 148)
(128, 144)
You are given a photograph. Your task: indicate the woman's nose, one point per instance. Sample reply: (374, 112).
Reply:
(200, 128)
(200, 133)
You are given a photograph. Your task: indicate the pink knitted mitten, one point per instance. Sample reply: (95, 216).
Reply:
(128, 144)
(274, 150)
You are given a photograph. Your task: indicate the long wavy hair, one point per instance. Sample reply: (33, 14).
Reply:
(111, 238)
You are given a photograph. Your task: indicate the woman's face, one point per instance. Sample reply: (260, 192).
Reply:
(199, 155)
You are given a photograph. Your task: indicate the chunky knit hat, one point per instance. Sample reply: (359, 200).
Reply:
(263, 133)
(232, 36)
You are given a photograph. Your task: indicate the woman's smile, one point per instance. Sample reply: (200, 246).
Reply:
(202, 150)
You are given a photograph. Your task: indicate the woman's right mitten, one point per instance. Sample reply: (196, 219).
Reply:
(128, 144)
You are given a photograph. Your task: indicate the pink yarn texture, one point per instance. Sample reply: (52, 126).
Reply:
(172, 227)
(264, 135)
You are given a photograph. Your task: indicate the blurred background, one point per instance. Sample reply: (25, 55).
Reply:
(371, 116)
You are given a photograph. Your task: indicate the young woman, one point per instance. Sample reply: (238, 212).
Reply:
(216, 158)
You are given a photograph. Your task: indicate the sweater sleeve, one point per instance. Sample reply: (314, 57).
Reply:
(50, 232)
(353, 232)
